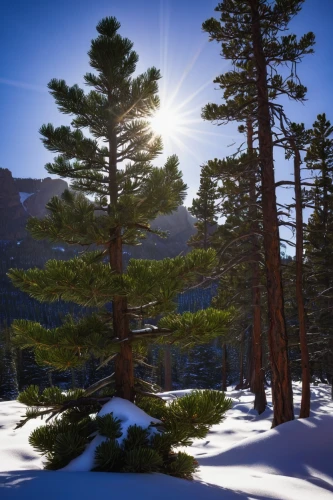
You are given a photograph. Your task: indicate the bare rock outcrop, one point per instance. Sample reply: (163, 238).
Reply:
(35, 204)
(13, 217)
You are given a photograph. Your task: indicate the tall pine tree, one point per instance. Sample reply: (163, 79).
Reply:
(251, 32)
(319, 241)
(107, 153)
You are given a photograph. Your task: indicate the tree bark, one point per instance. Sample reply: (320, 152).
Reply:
(250, 360)
(241, 361)
(257, 383)
(124, 372)
(305, 402)
(277, 334)
(224, 367)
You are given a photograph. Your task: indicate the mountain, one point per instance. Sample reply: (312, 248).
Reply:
(179, 226)
(36, 200)
(13, 216)
(21, 198)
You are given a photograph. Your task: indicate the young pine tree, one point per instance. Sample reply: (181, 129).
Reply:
(107, 153)
(204, 208)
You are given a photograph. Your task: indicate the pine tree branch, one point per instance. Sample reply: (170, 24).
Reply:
(292, 183)
(145, 333)
(140, 308)
(148, 394)
(60, 408)
(243, 236)
(98, 385)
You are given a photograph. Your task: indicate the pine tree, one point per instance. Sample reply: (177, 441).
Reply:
(297, 137)
(113, 163)
(238, 242)
(8, 371)
(205, 210)
(250, 32)
(150, 448)
(319, 240)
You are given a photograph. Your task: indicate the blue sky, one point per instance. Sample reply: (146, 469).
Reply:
(41, 40)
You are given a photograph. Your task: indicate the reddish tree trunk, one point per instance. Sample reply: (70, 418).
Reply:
(124, 372)
(257, 382)
(258, 379)
(277, 334)
(305, 402)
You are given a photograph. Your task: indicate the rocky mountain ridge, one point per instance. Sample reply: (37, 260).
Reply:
(23, 197)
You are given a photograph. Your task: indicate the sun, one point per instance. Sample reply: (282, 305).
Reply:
(166, 122)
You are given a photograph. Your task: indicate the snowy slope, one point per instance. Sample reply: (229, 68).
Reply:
(241, 458)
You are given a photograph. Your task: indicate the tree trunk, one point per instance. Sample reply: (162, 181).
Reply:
(250, 361)
(305, 402)
(167, 369)
(224, 367)
(277, 334)
(124, 372)
(257, 382)
(241, 361)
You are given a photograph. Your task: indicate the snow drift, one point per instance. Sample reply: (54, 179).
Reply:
(239, 459)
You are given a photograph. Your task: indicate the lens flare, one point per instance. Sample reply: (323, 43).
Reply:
(165, 122)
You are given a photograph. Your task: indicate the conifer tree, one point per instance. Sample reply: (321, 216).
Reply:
(319, 239)
(297, 137)
(251, 33)
(238, 247)
(205, 210)
(239, 239)
(8, 370)
(107, 153)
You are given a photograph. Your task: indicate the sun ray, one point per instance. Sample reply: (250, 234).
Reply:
(187, 70)
(182, 146)
(178, 121)
(194, 94)
(23, 85)
(164, 24)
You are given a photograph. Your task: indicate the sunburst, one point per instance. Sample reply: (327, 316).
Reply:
(166, 122)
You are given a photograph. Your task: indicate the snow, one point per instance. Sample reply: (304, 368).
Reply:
(242, 458)
(129, 414)
(23, 197)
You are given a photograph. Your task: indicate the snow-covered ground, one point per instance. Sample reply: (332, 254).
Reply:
(242, 458)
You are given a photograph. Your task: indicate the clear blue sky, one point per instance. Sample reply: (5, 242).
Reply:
(41, 40)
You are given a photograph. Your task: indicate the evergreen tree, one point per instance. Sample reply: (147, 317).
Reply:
(239, 244)
(319, 241)
(205, 210)
(8, 371)
(113, 163)
(238, 247)
(297, 138)
(150, 448)
(250, 32)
